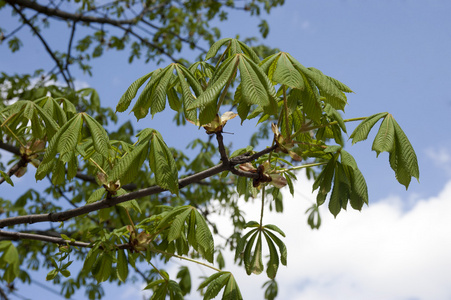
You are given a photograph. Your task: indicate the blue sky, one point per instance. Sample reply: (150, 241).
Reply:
(395, 56)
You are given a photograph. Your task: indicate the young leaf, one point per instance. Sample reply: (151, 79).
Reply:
(99, 136)
(385, 137)
(161, 161)
(127, 97)
(361, 132)
(7, 178)
(122, 265)
(204, 238)
(129, 165)
(285, 73)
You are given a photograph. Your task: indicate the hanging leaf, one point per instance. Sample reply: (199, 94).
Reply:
(361, 132)
(161, 161)
(99, 136)
(127, 97)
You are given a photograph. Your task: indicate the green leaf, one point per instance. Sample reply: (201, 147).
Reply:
(177, 226)
(324, 182)
(216, 285)
(158, 102)
(127, 97)
(204, 238)
(6, 177)
(359, 192)
(63, 142)
(256, 264)
(403, 159)
(185, 280)
(285, 73)
(347, 159)
(385, 137)
(99, 136)
(273, 263)
(161, 161)
(96, 196)
(207, 101)
(102, 267)
(215, 47)
(255, 79)
(282, 248)
(129, 165)
(144, 101)
(274, 228)
(232, 291)
(122, 265)
(252, 90)
(361, 132)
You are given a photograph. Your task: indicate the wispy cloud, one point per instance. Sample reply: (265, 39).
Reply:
(441, 157)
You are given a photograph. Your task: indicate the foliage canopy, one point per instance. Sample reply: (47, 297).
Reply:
(135, 200)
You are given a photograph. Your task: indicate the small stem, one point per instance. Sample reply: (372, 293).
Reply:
(97, 165)
(130, 219)
(186, 258)
(263, 206)
(222, 56)
(301, 167)
(285, 106)
(158, 270)
(305, 129)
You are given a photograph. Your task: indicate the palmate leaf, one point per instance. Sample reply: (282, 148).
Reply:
(215, 48)
(403, 159)
(129, 165)
(187, 96)
(285, 73)
(127, 97)
(207, 101)
(385, 137)
(391, 138)
(327, 88)
(144, 101)
(198, 234)
(362, 130)
(234, 47)
(52, 108)
(216, 282)
(63, 142)
(256, 88)
(153, 96)
(25, 111)
(163, 288)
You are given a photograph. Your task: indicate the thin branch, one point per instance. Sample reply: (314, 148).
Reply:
(46, 46)
(56, 240)
(3, 294)
(54, 12)
(10, 148)
(109, 202)
(20, 164)
(69, 48)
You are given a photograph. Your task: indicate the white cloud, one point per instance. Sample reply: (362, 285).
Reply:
(383, 252)
(441, 157)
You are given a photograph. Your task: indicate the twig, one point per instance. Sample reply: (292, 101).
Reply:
(69, 214)
(46, 46)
